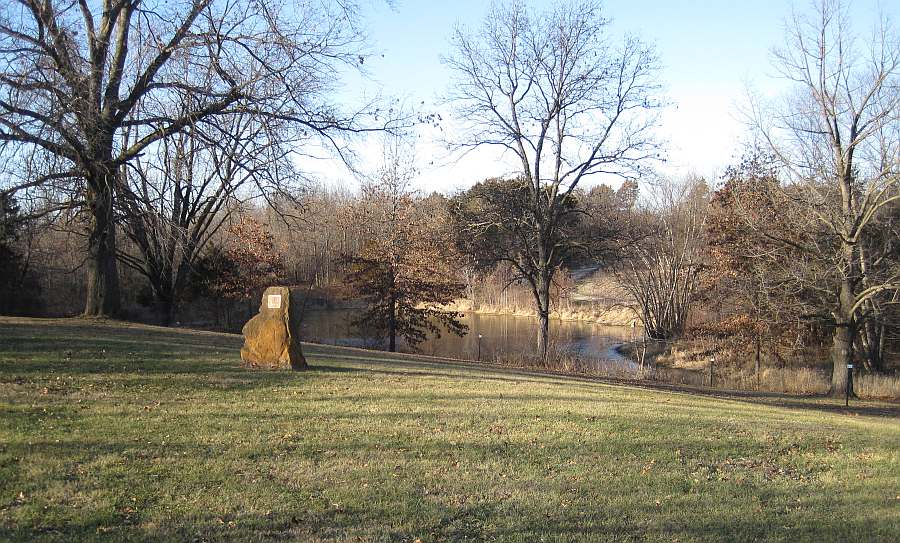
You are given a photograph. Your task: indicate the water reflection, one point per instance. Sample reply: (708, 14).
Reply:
(500, 335)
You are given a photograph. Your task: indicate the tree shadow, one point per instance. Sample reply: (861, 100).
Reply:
(90, 347)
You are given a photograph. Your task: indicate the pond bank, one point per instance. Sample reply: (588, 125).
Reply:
(603, 315)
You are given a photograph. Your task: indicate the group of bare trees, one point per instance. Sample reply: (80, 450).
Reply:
(158, 114)
(546, 87)
(177, 198)
(661, 266)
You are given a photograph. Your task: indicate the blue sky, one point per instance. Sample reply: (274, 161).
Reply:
(710, 52)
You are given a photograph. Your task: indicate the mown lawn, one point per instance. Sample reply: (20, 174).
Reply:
(111, 432)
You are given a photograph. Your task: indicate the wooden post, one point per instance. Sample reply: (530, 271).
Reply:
(758, 348)
(849, 385)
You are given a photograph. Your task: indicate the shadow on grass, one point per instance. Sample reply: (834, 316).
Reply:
(539, 499)
(382, 369)
(822, 404)
(428, 520)
(771, 399)
(450, 369)
(35, 346)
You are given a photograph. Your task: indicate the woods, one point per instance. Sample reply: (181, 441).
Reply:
(158, 166)
(87, 89)
(409, 271)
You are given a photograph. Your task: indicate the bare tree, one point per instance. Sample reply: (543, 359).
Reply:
(89, 86)
(175, 198)
(312, 250)
(551, 89)
(880, 314)
(661, 270)
(837, 138)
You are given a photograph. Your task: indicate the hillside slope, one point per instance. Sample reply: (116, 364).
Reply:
(114, 432)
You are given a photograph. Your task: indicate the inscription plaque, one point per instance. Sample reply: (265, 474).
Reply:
(274, 301)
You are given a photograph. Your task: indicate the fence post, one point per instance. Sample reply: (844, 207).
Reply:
(849, 386)
(758, 349)
(712, 361)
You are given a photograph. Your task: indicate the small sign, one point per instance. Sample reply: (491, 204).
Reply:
(849, 366)
(274, 301)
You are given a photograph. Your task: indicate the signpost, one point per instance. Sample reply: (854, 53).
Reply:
(479, 347)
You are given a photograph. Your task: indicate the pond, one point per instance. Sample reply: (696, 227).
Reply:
(501, 336)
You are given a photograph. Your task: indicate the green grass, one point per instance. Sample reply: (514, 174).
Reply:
(111, 432)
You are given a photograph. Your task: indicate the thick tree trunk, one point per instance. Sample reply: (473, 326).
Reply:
(841, 356)
(103, 295)
(166, 309)
(842, 340)
(844, 318)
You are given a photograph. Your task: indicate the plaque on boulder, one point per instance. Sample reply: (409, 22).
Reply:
(270, 338)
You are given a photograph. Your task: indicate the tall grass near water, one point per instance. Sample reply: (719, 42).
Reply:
(802, 381)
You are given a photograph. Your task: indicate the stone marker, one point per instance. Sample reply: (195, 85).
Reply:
(270, 337)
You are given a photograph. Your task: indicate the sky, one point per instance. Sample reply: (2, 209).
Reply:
(711, 53)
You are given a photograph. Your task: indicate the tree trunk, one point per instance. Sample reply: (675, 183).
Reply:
(544, 335)
(103, 294)
(841, 356)
(842, 341)
(872, 339)
(166, 308)
(845, 325)
(543, 311)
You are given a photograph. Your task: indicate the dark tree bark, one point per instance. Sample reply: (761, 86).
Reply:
(392, 323)
(842, 339)
(103, 298)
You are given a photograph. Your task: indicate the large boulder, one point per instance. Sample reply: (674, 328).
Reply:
(271, 338)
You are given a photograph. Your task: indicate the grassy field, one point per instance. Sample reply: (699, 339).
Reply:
(113, 432)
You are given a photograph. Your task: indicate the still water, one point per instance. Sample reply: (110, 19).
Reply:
(501, 335)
